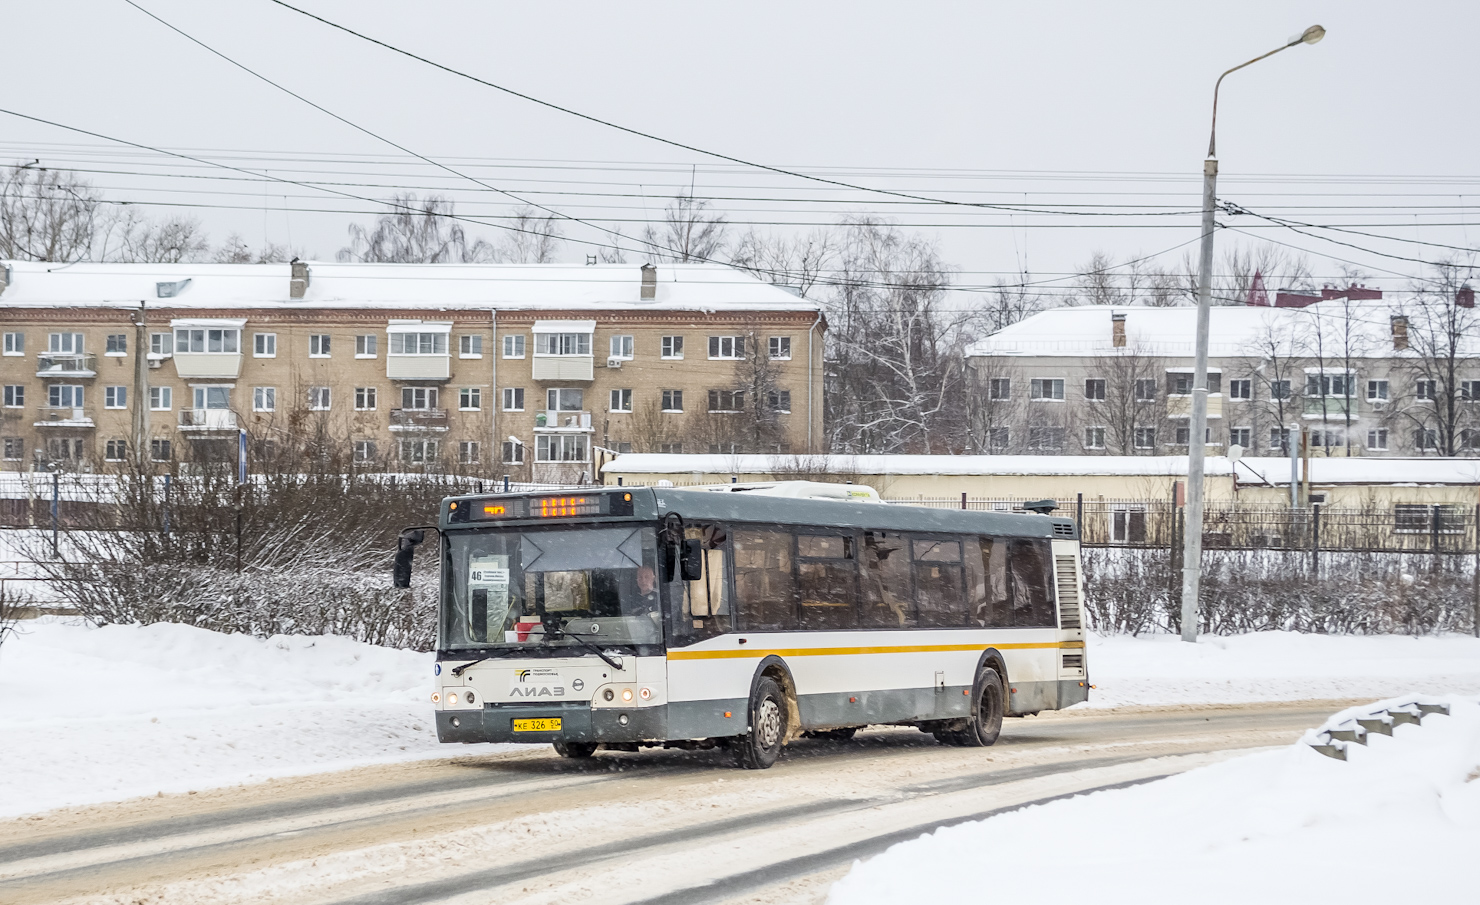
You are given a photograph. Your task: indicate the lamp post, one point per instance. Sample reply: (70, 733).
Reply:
(1197, 432)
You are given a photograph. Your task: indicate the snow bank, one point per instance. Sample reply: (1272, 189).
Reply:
(1398, 821)
(1277, 666)
(93, 714)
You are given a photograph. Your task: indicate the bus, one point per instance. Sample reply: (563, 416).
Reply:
(744, 617)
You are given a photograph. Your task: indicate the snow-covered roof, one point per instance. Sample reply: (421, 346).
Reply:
(685, 287)
(1233, 330)
(1364, 470)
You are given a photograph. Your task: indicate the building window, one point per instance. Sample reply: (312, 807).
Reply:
(1425, 439)
(1377, 391)
(469, 399)
(673, 400)
(780, 348)
(560, 448)
(318, 345)
(621, 401)
(15, 449)
(1415, 518)
(1182, 433)
(671, 449)
(366, 399)
(1427, 390)
(1241, 389)
(161, 399)
(1046, 437)
(116, 344)
(1326, 438)
(418, 452)
(1241, 436)
(513, 453)
(514, 346)
(418, 343)
(727, 400)
(999, 388)
(365, 451)
(1046, 389)
(419, 399)
(621, 347)
(1094, 438)
(1145, 438)
(264, 345)
(1128, 525)
(15, 396)
(1146, 389)
(470, 345)
(1469, 390)
(467, 452)
(1469, 439)
(1377, 438)
(1179, 384)
(513, 399)
(1328, 385)
(565, 399)
(64, 396)
(999, 437)
(159, 450)
(727, 347)
(1279, 389)
(115, 450)
(366, 345)
(115, 397)
(264, 399)
(65, 343)
(672, 347)
(15, 344)
(162, 344)
(624, 447)
(318, 399)
(1276, 439)
(214, 341)
(562, 344)
(779, 401)
(1094, 389)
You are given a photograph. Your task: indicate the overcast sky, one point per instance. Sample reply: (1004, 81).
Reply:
(1090, 105)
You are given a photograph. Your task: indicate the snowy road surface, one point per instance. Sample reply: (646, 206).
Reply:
(524, 827)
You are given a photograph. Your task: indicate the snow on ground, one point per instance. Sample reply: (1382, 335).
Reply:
(1277, 666)
(96, 714)
(1399, 821)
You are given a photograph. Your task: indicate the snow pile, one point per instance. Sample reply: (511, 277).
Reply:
(1398, 821)
(91, 714)
(1277, 666)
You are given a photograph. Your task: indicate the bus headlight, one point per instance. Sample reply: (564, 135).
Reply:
(468, 696)
(436, 697)
(626, 694)
(608, 694)
(452, 698)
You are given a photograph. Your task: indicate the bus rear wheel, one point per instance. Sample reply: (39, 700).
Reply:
(575, 750)
(759, 748)
(987, 708)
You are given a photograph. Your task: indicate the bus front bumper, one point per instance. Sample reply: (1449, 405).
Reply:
(579, 722)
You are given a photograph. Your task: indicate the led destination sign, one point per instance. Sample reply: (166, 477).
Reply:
(541, 507)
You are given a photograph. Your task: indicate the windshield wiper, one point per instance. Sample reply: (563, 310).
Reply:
(458, 670)
(613, 663)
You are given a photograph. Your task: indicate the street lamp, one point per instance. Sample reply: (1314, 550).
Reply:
(1197, 432)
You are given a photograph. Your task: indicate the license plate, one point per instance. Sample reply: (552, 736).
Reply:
(550, 724)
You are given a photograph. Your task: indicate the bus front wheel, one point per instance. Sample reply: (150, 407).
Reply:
(987, 708)
(759, 748)
(575, 749)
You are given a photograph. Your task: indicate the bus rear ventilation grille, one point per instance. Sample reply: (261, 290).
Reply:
(1074, 661)
(1063, 529)
(1068, 592)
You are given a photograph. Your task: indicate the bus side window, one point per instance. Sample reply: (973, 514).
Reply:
(827, 580)
(1031, 566)
(991, 605)
(888, 597)
(709, 597)
(765, 588)
(939, 582)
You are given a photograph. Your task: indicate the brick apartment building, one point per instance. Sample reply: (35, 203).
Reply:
(483, 369)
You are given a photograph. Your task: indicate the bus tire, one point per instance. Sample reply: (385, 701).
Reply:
(575, 750)
(759, 748)
(987, 707)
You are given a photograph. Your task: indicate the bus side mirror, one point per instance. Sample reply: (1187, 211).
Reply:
(692, 560)
(405, 549)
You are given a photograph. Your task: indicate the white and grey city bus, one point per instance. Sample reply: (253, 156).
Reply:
(744, 618)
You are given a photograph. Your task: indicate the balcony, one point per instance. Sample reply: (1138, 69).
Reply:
(1332, 408)
(61, 364)
(418, 367)
(552, 420)
(208, 365)
(203, 420)
(54, 416)
(418, 419)
(1181, 406)
(563, 367)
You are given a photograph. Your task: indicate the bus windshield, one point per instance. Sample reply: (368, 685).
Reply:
(551, 587)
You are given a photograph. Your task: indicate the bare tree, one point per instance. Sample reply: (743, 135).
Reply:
(416, 231)
(1279, 351)
(799, 262)
(1440, 335)
(1097, 284)
(1006, 305)
(995, 412)
(173, 240)
(235, 250)
(1133, 400)
(46, 215)
(533, 240)
(688, 232)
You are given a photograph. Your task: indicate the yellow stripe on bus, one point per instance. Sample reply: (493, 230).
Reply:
(839, 651)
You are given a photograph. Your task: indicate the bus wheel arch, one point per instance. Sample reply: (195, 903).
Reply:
(993, 658)
(775, 668)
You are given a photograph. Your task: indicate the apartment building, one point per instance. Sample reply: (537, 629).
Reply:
(1352, 375)
(485, 369)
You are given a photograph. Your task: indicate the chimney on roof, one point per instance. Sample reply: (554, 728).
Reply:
(1117, 330)
(649, 283)
(298, 282)
(1465, 297)
(1400, 332)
